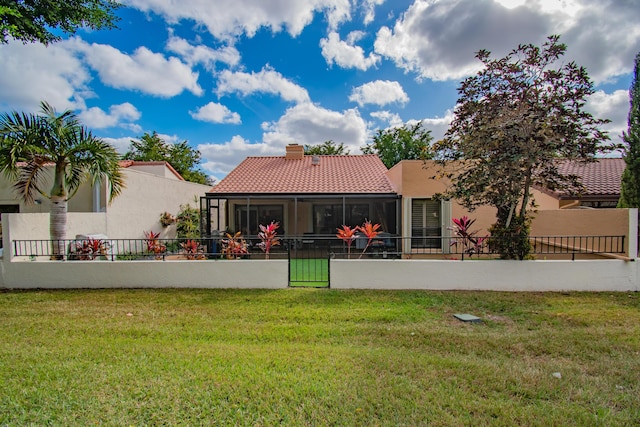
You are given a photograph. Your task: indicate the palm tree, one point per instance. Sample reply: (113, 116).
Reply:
(31, 144)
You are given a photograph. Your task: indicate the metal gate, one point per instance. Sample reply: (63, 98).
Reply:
(309, 264)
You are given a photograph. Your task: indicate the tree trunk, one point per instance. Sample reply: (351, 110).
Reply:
(58, 226)
(525, 196)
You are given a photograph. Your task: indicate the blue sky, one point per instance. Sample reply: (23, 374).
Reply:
(246, 77)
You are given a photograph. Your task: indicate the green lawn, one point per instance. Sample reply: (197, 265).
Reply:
(309, 272)
(315, 357)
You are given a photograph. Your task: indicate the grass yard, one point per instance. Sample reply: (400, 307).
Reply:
(315, 357)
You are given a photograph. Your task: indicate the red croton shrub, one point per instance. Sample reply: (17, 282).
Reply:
(268, 237)
(234, 246)
(154, 246)
(468, 240)
(192, 249)
(348, 235)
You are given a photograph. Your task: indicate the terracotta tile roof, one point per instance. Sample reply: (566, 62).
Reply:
(333, 175)
(600, 178)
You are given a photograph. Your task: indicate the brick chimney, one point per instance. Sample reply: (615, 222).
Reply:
(294, 152)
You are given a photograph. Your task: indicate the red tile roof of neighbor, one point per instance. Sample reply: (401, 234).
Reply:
(348, 174)
(600, 178)
(128, 163)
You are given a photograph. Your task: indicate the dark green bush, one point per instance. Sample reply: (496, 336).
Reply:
(511, 242)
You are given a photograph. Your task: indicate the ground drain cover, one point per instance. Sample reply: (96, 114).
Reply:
(468, 318)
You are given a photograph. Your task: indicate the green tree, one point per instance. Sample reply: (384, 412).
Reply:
(33, 20)
(513, 121)
(30, 143)
(326, 148)
(630, 188)
(181, 156)
(408, 142)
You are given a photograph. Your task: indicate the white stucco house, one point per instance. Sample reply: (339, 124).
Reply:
(151, 189)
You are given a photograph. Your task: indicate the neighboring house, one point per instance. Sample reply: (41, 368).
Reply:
(151, 188)
(425, 215)
(307, 195)
(418, 182)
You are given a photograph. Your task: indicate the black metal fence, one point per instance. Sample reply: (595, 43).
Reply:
(385, 246)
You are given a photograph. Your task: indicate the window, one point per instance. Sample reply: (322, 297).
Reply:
(600, 204)
(328, 218)
(426, 228)
(259, 214)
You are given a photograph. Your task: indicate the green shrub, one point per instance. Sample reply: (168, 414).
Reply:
(511, 242)
(188, 222)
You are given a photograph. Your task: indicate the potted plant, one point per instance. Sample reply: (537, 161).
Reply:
(166, 219)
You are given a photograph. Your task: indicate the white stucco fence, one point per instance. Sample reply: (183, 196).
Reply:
(525, 276)
(544, 275)
(497, 275)
(270, 274)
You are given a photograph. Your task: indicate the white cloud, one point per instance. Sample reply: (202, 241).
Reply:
(310, 124)
(220, 159)
(215, 113)
(438, 125)
(171, 139)
(265, 81)
(346, 54)
(133, 127)
(392, 119)
(369, 10)
(144, 70)
(121, 144)
(202, 54)
(97, 118)
(605, 38)
(230, 18)
(613, 106)
(354, 36)
(438, 39)
(32, 73)
(379, 92)
(303, 124)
